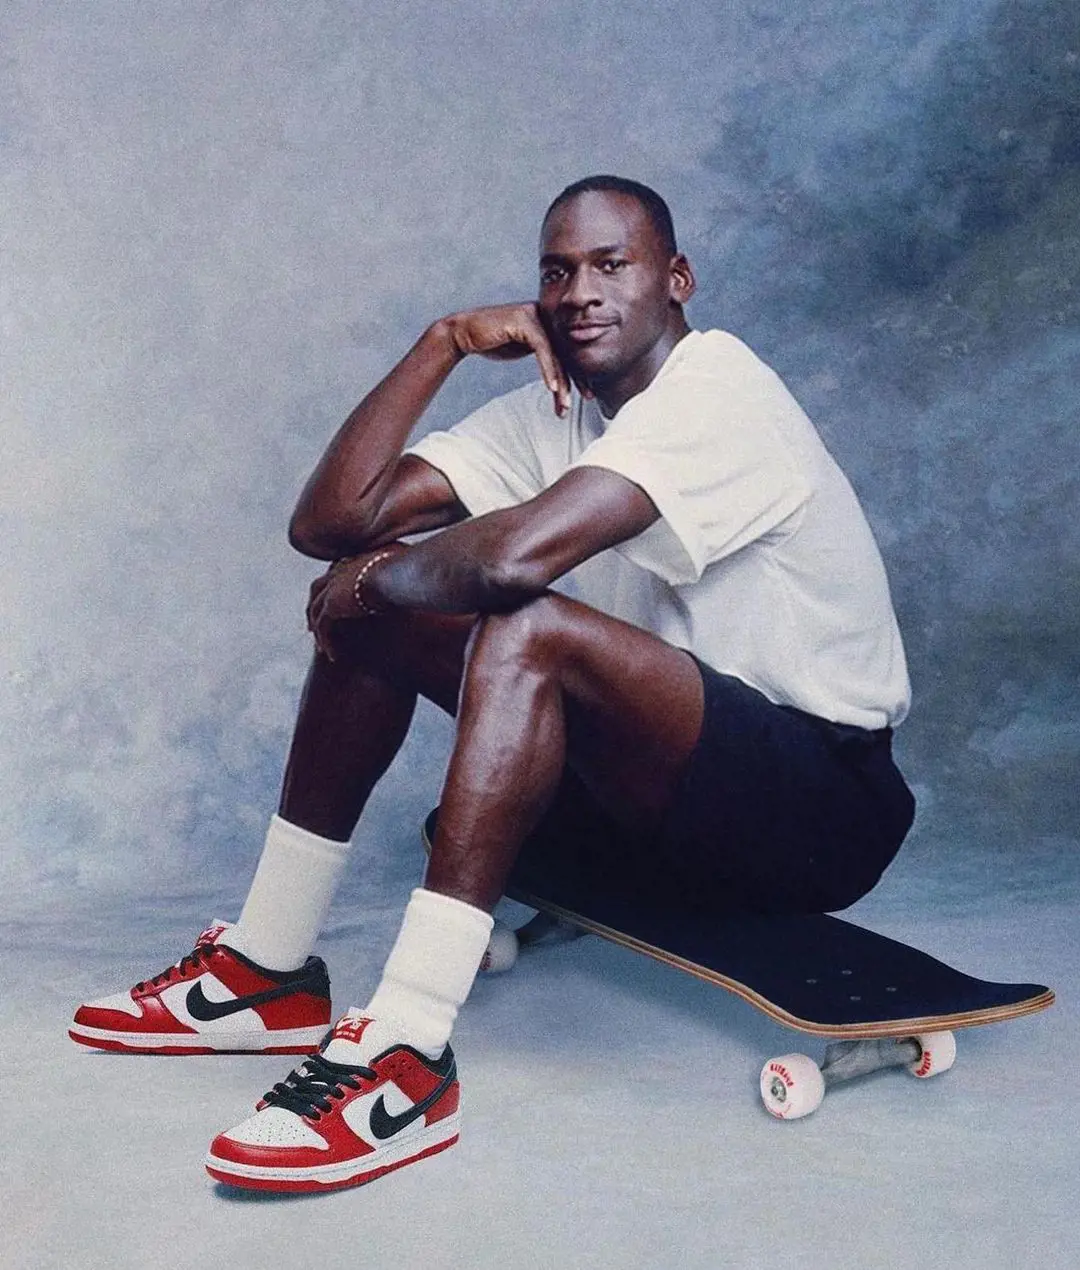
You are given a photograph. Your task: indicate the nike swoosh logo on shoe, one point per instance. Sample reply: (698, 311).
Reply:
(384, 1125)
(206, 1011)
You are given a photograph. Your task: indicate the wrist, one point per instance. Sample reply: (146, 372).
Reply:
(366, 603)
(443, 336)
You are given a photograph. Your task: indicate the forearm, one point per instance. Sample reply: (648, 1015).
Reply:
(339, 507)
(501, 560)
(466, 569)
(347, 506)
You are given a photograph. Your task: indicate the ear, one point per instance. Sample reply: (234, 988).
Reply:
(682, 284)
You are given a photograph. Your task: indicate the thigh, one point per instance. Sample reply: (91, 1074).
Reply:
(633, 703)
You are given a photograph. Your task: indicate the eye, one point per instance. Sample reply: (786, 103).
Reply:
(612, 265)
(555, 273)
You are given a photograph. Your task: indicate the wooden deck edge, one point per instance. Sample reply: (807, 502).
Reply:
(853, 1031)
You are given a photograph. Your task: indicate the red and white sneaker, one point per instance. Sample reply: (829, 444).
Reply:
(212, 1001)
(356, 1110)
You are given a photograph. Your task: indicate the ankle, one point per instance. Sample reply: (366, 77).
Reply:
(431, 968)
(289, 898)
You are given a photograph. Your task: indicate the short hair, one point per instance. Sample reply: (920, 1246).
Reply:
(656, 209)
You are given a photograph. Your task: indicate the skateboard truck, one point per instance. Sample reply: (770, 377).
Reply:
(793, 1085)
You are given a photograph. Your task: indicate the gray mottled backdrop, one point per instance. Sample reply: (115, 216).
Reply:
(223, 221)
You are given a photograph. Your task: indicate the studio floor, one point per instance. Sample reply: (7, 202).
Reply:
(611, 1110)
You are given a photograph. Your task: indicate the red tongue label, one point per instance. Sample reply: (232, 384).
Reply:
(350, 1029)
(208, 936)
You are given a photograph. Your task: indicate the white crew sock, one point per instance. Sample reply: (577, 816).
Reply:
(430, 969)
(289, 897)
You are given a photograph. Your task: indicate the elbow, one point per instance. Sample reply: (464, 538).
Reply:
(319, 538)
(305, 537)
(303, 540)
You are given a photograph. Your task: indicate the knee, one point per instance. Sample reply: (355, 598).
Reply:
(364, 643)
(399, 639)
(528, 638)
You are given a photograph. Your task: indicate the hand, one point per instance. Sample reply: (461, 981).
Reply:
(505, 332)
(332, 598)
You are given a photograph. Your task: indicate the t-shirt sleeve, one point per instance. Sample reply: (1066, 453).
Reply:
(490, 457)
(713, 463)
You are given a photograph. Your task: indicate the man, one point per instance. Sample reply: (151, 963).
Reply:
(708, 722)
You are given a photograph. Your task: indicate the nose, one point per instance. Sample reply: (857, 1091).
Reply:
(583, 289)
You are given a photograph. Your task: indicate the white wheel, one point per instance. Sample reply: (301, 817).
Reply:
(502, 950)
(938, 1054)
(791, 1086)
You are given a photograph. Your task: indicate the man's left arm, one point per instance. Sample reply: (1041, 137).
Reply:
(500, 560)
(492, 563)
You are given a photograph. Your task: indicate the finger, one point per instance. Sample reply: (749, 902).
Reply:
(551, 370)
(315, 620)
(554, 374)
(326, 642)
(322, 644)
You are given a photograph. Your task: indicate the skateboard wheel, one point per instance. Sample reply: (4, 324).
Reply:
(938, 1054)
(502, 950)
(791, 1086)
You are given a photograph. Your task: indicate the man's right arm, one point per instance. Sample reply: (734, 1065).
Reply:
(363, 493)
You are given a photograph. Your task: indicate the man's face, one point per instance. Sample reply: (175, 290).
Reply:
(608, 292)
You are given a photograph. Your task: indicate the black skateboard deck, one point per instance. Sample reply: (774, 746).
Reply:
(815, 973)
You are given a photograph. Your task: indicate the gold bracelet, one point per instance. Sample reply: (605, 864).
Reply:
(358, 584)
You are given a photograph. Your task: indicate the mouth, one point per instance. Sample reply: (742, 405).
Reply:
(586, 332)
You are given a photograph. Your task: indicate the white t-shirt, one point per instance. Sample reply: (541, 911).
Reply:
(762, 563)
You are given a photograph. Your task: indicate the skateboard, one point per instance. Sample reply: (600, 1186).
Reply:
(880, 1002)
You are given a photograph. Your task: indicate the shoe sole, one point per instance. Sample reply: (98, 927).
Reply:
(329, 1177)
(301, 1040)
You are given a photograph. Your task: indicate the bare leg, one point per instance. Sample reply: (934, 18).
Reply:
(553, 683)
(355, 712)
(550, 684)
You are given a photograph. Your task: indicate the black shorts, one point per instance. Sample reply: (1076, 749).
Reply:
(778, 811)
